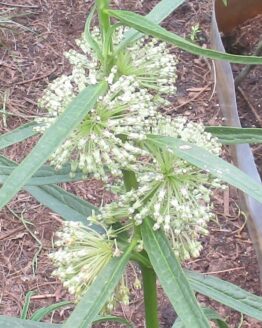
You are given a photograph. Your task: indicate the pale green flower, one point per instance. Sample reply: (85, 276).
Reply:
(173, 193)
(96, 145)
(106, 141)
(188, 131)
(82, 253)
(152, 63)
(149, 60)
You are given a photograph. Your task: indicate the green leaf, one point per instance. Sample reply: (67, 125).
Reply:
(41, 313)
(130, 180)
(144, 25)
(26, 305)
(44, 176)
(114, 319)
(210, 314)
(214, 316)
(87, 34)
(67, 205)
(230, 135)
(162, 10)
(172, 277)
(226, 293)
(10, 322)
(99, 292)
(17, 135)
(51, 139)
(210, 163)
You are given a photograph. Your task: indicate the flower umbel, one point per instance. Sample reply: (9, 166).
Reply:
(96, 144)
(82, 254)
(150, 61)
(152, 64)
(171, 191)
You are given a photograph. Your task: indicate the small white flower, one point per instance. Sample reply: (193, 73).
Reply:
(174, 193)
(83, 255)
(96, 143)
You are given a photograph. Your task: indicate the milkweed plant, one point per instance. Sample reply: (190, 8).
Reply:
(172, 194)
(163, 198)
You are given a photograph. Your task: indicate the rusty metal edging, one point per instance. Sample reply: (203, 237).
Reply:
(241, 154)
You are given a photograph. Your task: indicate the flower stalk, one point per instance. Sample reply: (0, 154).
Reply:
(150, 297)
(148, 274)
(106, 31)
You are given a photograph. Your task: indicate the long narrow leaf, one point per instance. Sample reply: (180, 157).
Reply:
(172, 278)
(210, 163)
(67, 205)
(226, 293)
(162, 10)
(41, 313)
(52, 138)
(99, 292)
(26, 305)
(112, 318)
(142, 24)
(10, 322)
(230, 135)
(17, 135)
(210, 314)
(44, 176)
(87, 34)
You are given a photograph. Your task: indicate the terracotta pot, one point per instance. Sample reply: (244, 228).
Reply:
(235, 13)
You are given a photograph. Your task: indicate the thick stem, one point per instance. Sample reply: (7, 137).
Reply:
(141, 259)
(150, 297)
(105, 26)
(148, 274)
(104, 19)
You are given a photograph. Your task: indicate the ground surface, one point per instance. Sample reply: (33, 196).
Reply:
(31, 58)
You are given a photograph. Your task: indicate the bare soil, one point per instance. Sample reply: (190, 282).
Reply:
(29, 60)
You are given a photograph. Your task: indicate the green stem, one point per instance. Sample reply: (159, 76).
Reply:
(141, 259)
(105, 27)
(103, 17)
(148, 274)
(150, 297)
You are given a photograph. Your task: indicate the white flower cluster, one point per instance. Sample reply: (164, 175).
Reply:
(185, 130)
(82, 253)
(174, 193)
(95, 145)
(153, 65)
(112, 138)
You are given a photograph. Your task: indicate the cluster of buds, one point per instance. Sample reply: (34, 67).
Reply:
(153, 65)
(82, 253)
(174, 193)
(96, 146)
